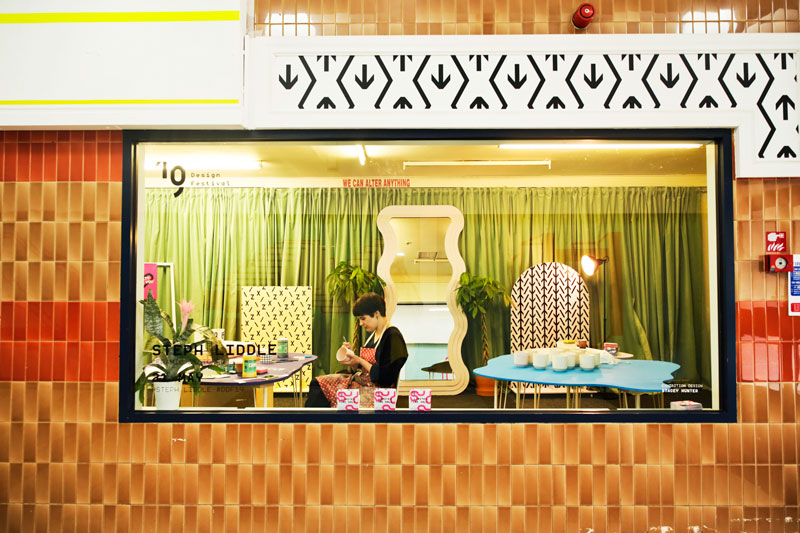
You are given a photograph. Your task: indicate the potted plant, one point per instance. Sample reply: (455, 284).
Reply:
(474, 294)
(347, 282)
(176, 361)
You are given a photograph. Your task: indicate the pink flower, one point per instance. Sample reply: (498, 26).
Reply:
(186, 310)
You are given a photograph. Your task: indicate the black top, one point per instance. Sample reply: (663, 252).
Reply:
(390, 356)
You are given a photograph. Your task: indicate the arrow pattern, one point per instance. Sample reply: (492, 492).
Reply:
(552, 304)
(269, 313)
(552, 83)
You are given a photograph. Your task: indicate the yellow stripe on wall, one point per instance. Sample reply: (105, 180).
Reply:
(122, 102)
(127, 16)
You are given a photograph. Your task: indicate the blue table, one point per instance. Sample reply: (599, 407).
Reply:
(636, 376)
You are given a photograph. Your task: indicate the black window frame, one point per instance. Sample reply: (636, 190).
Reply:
(726, 335)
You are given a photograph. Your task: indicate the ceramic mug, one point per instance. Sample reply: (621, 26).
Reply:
(520, 358)
(540, 360)
(560, 362)
(571, 358)
(588, 361)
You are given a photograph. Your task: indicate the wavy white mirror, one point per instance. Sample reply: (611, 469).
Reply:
(421, 265)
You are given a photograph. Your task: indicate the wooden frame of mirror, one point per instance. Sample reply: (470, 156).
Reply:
(460, 372)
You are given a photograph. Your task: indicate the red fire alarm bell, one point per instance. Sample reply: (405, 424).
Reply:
(583, 16)
(778, 263)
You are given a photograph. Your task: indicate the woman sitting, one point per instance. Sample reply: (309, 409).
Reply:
(378, 364)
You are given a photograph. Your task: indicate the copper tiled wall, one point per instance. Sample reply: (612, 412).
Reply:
(67, 465)
(505, 17)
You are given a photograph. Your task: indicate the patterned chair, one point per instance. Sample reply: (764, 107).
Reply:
(552, 304)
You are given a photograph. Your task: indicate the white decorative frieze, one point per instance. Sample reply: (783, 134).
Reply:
(743, 82)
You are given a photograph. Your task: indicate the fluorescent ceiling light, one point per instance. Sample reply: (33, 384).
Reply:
(400, 254)
(476, 163)
(206, 162)
(600, 146)
(362, 155)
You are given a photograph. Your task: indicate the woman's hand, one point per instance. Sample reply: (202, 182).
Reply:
(354, 362)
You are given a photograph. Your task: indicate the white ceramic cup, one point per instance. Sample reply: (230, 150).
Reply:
(596, 356)
(560, 362)
(343, 354)
(520, 358)
(587, 361)
(571, 358)
(540, 360)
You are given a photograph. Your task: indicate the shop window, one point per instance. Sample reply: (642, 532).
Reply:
(517, 276)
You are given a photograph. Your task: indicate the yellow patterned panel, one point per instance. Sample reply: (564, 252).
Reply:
(269, 313)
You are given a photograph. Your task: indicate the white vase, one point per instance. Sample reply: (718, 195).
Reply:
(168, 394)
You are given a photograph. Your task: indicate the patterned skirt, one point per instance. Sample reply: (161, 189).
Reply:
(331, 383)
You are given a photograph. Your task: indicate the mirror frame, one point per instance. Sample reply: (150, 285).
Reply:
(390, 245)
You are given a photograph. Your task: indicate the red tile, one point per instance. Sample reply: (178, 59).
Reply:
(32, 361)
(746, 362)
(73, 321)
(50, 136)
(103, 135)
(112, 326)
(103, 161)
(46, 329)
(24, 136)
(99, 361)
(23, 162)
(72, 360)
(63, 136)
(46, 361)
(89, 136)
(50, 161)
(112, 362)
(37, 161)
(115, 136)
(786, 323)
(59, 361)
(100, 317)
(60, 321)
(788, 371)
(761, 361)
(10, 161)
(745, 316)
(6, 355)
(20, 320)
(115, 173)
(90, 161)
(62, 162)
(774, 361)
(86, 360)
(76, 161)
(34, 324)
(759, 321)
(796, 326)
(76, 136)
(87, 321)
(7, 320)
(19, 360)
(773, 321)
(37, 136)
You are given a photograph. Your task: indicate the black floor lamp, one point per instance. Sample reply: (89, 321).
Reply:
(590, 265)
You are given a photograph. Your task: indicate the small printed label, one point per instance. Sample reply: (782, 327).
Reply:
(794, 287)
(419, 399)
(347, 399)
(385, 399)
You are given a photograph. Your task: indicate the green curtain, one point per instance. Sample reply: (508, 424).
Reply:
(655, 291)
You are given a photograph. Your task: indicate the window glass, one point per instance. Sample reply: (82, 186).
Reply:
(475, 275)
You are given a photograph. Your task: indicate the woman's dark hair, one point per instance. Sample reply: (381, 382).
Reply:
(368, 303)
